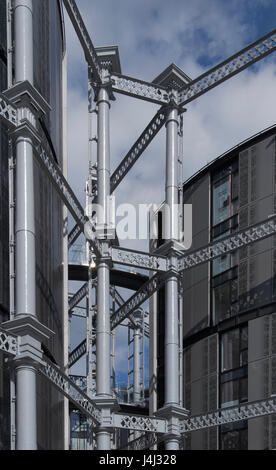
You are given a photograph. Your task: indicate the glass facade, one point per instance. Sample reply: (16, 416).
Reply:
(241, 299)
(224, 222)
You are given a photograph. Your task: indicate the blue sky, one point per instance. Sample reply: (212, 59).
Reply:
(151, 34)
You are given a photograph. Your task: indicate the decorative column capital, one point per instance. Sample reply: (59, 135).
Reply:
(31, 333)
(174, 414)
(30, 106)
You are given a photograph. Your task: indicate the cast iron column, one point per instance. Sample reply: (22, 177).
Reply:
(171, 231)
(103, 266)
(25, 231)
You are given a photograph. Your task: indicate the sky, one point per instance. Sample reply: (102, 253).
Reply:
(151, 34)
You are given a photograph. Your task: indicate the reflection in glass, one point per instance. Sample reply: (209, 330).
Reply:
(221, 201)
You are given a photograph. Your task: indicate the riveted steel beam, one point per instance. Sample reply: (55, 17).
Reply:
(139, 89)
(228, 68)
(84, 38)
(228, 244)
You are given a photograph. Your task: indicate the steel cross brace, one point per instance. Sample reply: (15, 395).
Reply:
(84, 38)
(144, 293)
(68, 388)
(81, 349)
(138, 148)
(77, 353)
(66, 193)
(228, 244)
(8, 343)
(228, 68)
(8, 112)
(127, 163)
(79, 295)
(229, 415)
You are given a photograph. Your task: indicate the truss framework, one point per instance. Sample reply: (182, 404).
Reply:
(138, 148)
(139, 89)
(144, 293)
(139, 259)
(228, 244)
(68, 388)
(229, 415)
(176, 99)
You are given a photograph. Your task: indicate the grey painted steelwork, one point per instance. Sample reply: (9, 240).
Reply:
(8, 112)
(144, 293)
(138, 148)
(228, 68)
(77, 353)
(228, 244)
(139, 423)
(230, 415)
(171, 343)
(66, 193)
(84, 38)
(139, 259)
(77, 298)
(68, 388)
(26, 433)
(103, 267)
(8, 343)
(139, 89)
(25, 240)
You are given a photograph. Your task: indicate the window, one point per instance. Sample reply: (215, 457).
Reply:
(225, 193)
(234, 347)
(235, 439)
(221, 201)
(234, 385)
(225, 295)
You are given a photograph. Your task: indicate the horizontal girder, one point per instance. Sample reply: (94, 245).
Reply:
(139, 259)
(228, 244)
(139, 89)
(229, 415)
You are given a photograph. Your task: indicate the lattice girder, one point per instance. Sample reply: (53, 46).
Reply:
(68, 388)
(228, 68)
